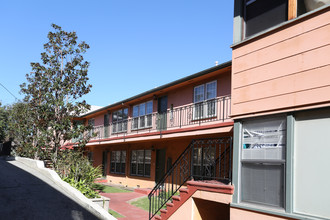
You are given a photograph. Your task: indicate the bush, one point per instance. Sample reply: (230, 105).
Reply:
(74, 167)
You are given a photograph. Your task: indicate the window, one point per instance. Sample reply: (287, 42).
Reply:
(106, 125)
(142, 115)
(263, 161)
(204, 99)
(119, 120)
(118, 162)
(140, 163)
(91, 122)
(203, 161)
(260, 15)
(77, 125)
(90, 157)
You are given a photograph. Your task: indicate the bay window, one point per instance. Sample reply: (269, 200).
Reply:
(119, 120)
(142, 115)
(204, 100)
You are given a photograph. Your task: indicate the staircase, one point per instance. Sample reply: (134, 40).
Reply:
(204, 160)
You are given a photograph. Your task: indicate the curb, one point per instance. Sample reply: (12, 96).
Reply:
(72, 192)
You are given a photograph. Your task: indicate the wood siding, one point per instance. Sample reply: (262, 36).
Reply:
(284, 70)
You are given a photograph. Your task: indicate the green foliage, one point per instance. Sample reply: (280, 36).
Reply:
(115, 214)
(53, 90)
(74, 168)
(23, 131)
(3, 123)
(82, 187)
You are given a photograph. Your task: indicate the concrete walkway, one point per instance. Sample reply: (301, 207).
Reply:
(119, 203)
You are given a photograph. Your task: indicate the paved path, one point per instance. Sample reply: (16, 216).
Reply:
(119, 203)
(26, 194)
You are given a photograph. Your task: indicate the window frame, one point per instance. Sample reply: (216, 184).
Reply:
(263, 162)
(116, 123)
(294, 10)
(247, 3)
(202, 107)
(91, 122)
(144, 163)
(142, 119)
(122, 162)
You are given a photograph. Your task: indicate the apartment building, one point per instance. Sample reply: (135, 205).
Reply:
(281, 109)
(181, 129)
(273, 99)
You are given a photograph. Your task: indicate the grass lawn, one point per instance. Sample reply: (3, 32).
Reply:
(142, 203)
(115, 214)
(109, 189)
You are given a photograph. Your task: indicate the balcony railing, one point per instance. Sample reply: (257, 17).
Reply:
(192, 115)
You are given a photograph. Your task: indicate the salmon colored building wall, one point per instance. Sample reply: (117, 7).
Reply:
(279, 71)
(174, 148)
(177, 97)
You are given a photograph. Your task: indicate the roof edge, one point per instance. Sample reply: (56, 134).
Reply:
(195, 75)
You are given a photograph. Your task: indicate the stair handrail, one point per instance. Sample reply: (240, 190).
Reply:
(165, 196)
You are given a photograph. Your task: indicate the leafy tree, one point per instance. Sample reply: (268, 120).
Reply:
(3, 123)
(22, 129)
(54, 89)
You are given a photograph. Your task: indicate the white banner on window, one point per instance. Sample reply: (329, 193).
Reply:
(264, 134)
(264, 139)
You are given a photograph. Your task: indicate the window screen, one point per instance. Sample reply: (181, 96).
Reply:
(263, 161)
(263, 184)
(261, 14)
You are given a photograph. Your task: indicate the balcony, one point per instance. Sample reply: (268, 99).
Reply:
(188, 116)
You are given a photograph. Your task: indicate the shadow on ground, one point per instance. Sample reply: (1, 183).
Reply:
(25, 196)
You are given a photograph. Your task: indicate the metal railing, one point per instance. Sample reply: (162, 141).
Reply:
(196, 114)
(203, 159)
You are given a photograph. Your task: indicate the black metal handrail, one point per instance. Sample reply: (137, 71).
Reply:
(209, 111)
(203, 159)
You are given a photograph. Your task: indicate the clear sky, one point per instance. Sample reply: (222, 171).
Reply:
(136, 45)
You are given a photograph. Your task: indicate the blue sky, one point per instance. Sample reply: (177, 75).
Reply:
(135, 45)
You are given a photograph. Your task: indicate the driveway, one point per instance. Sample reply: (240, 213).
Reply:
(26, 194)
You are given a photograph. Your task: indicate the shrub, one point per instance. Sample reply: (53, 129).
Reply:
(74, 168)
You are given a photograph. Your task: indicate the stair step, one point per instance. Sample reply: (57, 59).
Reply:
(157, 217)
(169, 204)
(163, 211)
(184, 190)
(176, 198)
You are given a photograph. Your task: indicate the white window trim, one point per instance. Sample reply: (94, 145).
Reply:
(205, 102)
(142, 117)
